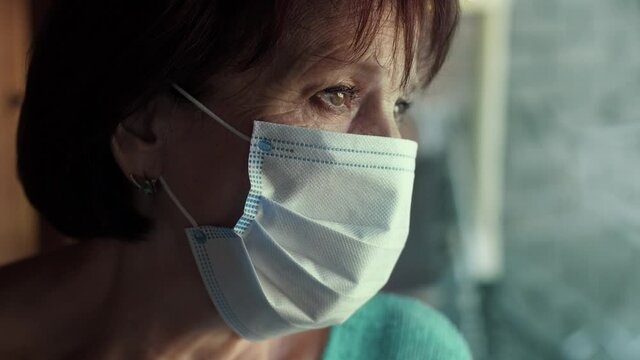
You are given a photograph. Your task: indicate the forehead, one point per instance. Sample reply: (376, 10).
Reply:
(335, 35)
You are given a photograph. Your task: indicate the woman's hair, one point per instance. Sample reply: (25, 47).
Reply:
(95, 62)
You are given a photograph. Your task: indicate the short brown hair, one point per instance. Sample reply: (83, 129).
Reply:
(95, 62)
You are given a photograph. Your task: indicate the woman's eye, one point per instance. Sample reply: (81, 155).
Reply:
(337, 98)
(400, 108)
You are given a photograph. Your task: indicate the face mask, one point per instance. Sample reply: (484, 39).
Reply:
(323, 226)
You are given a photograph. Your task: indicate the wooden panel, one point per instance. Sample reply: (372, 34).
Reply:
(18, 224)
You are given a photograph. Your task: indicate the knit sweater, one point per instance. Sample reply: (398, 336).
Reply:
(390, 327)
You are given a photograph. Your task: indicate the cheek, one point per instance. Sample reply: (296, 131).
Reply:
(207, 170)
(408, 129)
(306, 116)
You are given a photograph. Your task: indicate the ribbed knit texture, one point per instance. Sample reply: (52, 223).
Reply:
(391, 327)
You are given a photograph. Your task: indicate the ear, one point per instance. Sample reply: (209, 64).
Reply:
(137, 147)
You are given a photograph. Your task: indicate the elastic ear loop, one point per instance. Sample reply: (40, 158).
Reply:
(206, 110)
(175, 200)
(215, 117)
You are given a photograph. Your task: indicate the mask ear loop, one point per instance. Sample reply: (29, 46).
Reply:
(177, 202)
(206, 110)
(215, 117)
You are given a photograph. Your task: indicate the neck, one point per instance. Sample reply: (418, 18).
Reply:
(160, 308)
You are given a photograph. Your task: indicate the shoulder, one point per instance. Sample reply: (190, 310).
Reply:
(30, 288)
(25, 289)
(395, 327)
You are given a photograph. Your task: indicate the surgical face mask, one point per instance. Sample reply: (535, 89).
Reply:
(324, 223)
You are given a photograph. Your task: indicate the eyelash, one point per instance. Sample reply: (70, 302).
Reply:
(350, 91)
(400, 108)
(405, 105)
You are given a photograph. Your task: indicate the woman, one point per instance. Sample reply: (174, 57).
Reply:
(271, 132)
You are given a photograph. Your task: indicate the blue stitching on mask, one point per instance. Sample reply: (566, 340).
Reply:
(252, 199)
(260, 138)
(252, 203)
(326, 162)
(284, 149)
(214, 290)
(265, 145)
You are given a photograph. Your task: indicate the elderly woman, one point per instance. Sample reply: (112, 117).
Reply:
(235, 174)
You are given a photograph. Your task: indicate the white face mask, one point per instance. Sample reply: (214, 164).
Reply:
(323, 226)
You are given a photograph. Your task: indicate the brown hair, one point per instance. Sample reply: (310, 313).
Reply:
(95, 62)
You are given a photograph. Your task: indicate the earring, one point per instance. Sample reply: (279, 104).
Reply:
(148, 186)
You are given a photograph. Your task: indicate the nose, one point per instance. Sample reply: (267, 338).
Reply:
(375, 117)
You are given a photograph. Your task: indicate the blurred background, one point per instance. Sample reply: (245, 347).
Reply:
(526, 219)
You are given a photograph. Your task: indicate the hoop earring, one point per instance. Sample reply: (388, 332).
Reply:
(148, 186)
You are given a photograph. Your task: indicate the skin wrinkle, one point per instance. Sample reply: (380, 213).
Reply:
(281, 81)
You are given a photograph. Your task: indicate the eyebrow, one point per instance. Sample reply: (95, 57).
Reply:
(302, 56)
(309, 64)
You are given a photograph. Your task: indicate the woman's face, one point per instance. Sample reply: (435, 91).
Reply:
(312, 81)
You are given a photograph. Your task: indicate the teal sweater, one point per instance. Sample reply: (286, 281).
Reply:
(391, 327)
